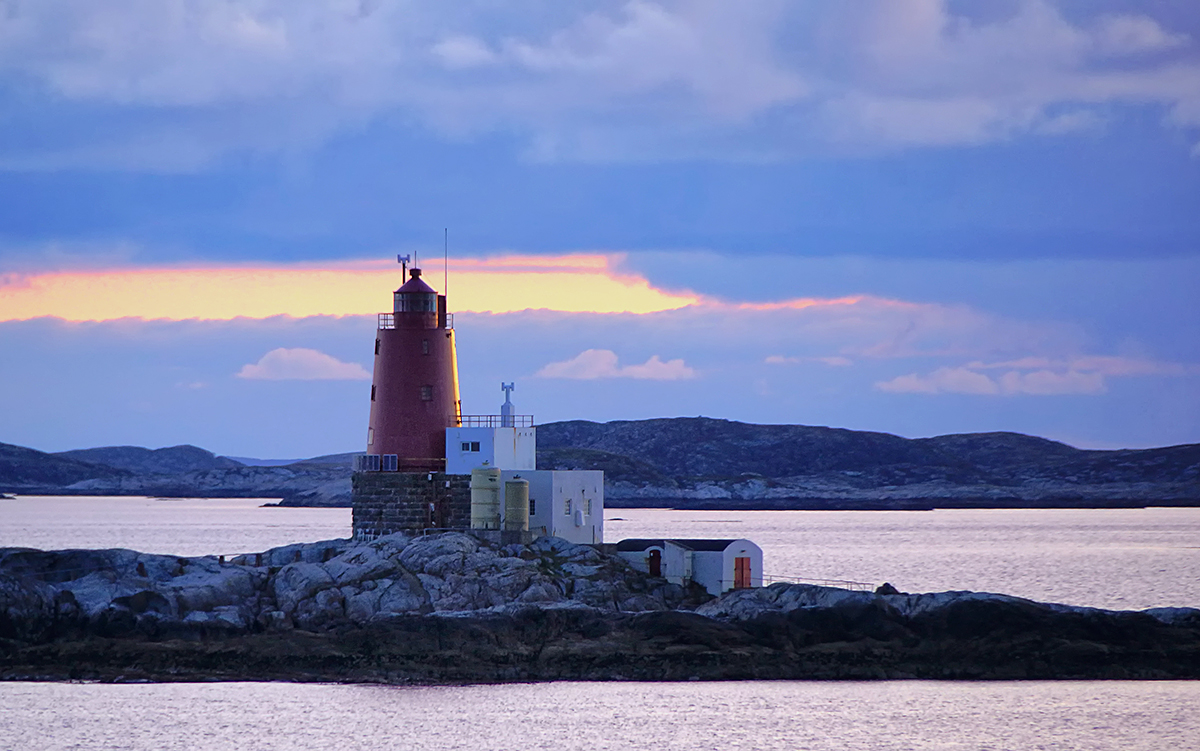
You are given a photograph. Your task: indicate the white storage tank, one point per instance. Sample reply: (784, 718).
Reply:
(516, 505)
(485, 498)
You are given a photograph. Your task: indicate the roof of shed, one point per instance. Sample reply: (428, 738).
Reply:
(703, 545)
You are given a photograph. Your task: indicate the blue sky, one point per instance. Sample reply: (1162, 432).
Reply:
(1009, 191)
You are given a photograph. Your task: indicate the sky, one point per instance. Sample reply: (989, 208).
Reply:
(912, 216)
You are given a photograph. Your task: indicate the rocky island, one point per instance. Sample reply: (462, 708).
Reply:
(450, 608)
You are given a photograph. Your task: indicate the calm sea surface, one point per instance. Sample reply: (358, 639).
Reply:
(1116, 559)
(566, 716)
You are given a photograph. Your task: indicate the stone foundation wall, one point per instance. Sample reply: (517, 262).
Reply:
(387, 502)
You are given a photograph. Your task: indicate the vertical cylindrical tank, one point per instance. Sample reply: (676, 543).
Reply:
(485, 498)
(516, 506)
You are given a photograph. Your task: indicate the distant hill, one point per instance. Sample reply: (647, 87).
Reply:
(22, 468)
(691, 462)
(344, 461)
(178, 471)
(166, 461)
(704, 462)
(250, 461)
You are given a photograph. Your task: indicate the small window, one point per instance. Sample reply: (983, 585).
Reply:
(589, 506)
(372, 393)
(474, 445)
(377, 346)
(370, 436)
(427, 393)
(465, 446)
(424, 346)
(567, 506)
(532, 506)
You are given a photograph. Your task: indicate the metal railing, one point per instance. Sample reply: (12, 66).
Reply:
(388, 320)
(836, 583)
(393, 463)
(491, 421)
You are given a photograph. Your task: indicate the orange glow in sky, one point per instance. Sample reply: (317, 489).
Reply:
(571, 283)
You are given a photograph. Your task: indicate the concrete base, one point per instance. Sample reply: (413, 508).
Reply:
(410, 502)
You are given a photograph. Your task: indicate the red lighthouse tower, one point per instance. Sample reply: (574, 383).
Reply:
(414, 391)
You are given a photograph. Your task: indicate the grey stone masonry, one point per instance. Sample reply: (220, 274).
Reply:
(388, 502)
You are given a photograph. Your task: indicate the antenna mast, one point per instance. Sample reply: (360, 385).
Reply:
(446, 261)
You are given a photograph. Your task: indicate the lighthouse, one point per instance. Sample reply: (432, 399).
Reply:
(414, 389)
(422, 451)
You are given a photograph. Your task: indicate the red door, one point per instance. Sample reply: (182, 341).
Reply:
(655, 562)
(741, 573)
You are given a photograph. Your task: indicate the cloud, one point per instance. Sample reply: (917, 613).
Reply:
(602, 363)
(942, 380)
(835, 361)
(1109, 365)
(301, 364)
(458, 52)
(577, 282)
(962, 380)
(1047, 382)
(1126, 35)
(186, 82)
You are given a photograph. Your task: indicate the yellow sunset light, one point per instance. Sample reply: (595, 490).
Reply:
(573, 283)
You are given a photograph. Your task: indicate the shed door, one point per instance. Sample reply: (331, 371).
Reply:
(654, 560)
(741, 573)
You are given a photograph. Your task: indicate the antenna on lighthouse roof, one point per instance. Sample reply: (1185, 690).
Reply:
(446, 261)
(506, 409)
(403, 261)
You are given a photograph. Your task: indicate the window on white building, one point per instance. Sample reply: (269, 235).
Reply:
(567, 506)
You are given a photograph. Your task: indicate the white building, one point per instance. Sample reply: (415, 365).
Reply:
(562, 503)
(716, 565)
(565, 503)
(500, 447)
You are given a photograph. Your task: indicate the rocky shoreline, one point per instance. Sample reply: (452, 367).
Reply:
(452, 609)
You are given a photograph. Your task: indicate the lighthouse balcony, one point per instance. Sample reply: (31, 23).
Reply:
(388, 321)
(490, 421)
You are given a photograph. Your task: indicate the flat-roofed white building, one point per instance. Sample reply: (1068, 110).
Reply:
(469, 448)
(716, 565)
(564, 503)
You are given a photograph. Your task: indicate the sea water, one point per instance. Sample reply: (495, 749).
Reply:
(791, 715)
(1130, 558)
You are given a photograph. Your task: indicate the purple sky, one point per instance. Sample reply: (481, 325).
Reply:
(1010, 196)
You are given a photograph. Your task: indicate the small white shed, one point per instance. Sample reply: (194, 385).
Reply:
(716, 565)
